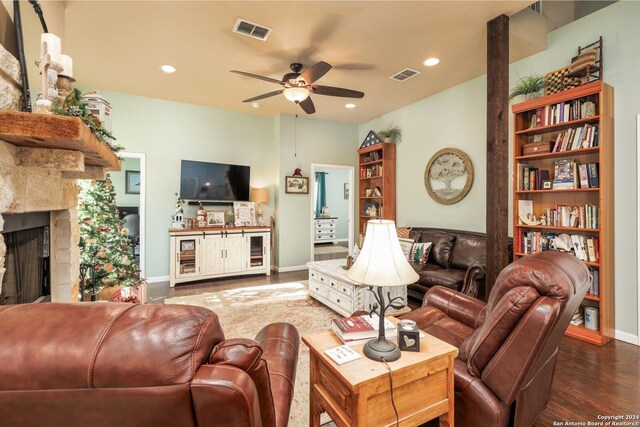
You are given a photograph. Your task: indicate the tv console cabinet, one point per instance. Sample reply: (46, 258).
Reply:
(210, 253)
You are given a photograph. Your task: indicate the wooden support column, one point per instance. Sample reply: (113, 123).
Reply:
(497, 148)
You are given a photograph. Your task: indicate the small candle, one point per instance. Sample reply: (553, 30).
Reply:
(53, 46)
(67, 65)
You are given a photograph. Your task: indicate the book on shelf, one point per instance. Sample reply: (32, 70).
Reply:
(592, 172)
(595, 282)
(360, 328)
(525, 209)
(564, 174)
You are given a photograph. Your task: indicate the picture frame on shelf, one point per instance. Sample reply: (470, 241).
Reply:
(547, 185)
(132, 182)
(215, 218)
(296, 185)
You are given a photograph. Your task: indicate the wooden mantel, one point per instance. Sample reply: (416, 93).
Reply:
(56, 132)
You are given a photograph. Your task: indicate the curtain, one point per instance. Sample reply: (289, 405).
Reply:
(24, 248)
(321, 192)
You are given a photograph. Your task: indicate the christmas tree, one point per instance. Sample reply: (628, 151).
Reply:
(103, 239)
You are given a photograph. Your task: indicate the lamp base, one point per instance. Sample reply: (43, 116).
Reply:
(381, 347)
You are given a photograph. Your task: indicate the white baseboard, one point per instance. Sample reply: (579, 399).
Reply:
(627, 337)
(157, 279)
(288, 269)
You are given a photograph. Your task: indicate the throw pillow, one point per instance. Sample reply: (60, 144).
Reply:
(406, 245)
(420, 252)
(403, 232)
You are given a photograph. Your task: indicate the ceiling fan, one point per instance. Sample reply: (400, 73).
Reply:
(298, 86)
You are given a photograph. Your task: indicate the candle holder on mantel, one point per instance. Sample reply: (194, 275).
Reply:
(49, 78)
(65, 81)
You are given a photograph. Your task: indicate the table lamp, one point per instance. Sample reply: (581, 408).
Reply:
(382, 263)
(260, 196)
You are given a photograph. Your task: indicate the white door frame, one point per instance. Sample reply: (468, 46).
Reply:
(312, 191)
(141, 208)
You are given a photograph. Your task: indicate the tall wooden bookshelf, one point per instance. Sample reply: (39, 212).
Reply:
(533, 121)
(377, 183)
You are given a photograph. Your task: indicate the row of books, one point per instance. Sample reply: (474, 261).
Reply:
(561, 113)
(371, 171)
(584, 216)
(583, 247)
(567, 174)
(576, 138)
(371, 157)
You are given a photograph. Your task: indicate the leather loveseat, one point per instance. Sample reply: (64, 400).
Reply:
(508, 345)
(118, 364)
(456, 261)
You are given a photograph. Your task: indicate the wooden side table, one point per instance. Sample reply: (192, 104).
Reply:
(358, 393)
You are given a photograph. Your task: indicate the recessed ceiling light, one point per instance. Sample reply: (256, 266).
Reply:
(431, 62)
(169, 69)
(256, 105)
(350, 105)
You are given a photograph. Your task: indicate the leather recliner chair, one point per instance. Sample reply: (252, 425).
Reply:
(508, 345)
(118, 364)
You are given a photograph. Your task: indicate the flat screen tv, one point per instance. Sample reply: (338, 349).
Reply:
(214, 181)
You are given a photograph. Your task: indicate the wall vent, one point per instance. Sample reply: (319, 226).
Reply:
(404, 75)
(251, 29)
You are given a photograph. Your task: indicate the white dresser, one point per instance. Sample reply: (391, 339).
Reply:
(329, 284)
(326, 230)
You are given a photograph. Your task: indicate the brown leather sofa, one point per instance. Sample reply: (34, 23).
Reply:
(118, 364)
(456, 261)
(509, 345)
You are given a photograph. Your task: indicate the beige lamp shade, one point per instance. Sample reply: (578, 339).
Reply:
(260, 195)
(381, 261)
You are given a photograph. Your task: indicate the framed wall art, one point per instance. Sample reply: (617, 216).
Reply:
(215, 218)
(132, 180)
(296, 185)
(448, 176)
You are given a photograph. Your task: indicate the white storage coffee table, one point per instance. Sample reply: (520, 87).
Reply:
(329, 284)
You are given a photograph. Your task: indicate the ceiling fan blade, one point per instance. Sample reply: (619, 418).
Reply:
(337, 91)
(307, 106)
(263, 96)
(312, 74)
(255, 76)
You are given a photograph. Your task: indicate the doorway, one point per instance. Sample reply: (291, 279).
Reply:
(331, 211)
(130, 187)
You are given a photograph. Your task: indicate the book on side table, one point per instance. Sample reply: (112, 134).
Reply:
(360, 329)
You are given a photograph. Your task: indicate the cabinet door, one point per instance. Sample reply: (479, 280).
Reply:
(187, 257)
(257, 251)
(212, 255)
(235, 253)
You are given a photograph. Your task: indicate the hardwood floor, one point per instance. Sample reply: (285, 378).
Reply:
(589, 381)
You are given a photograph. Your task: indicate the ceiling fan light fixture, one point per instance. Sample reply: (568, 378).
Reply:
(296, 94)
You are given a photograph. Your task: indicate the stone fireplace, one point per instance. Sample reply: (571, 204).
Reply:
(33, 180)
(41, 157)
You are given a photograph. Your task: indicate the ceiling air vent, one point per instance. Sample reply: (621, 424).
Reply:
(405, 74)
(251, 29)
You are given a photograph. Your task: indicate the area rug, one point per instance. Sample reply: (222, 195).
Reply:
(331, 249)
(244, 311)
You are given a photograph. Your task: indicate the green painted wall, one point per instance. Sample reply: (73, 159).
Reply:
(303, 141)
(456, 118)
(171, 131)
(119, 182)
